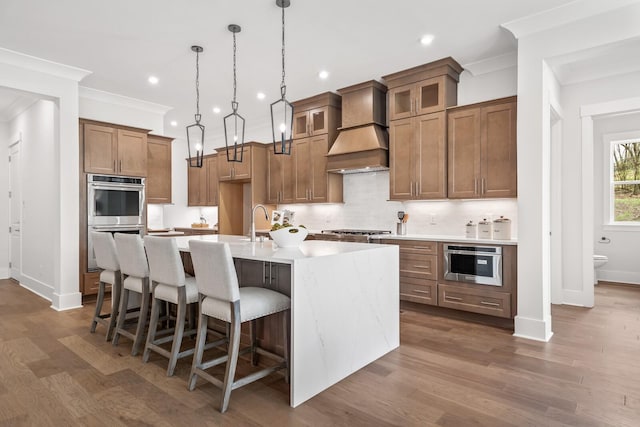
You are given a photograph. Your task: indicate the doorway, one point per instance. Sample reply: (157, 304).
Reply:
(555, 191)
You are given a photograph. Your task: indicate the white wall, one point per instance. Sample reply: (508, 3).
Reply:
(366, 206)
(37, 125)
(482, 87)
(4, 207)
(112, 108)
(624, 246)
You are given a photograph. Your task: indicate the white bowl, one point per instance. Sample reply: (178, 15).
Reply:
(289, 237)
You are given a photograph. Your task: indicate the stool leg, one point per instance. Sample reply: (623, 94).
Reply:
(254, 342)
(122, 315)
(142, 318)
(181, 314)
(153, 325)
(201, 339)
(99, 302)
(116, 289)
(232, 360)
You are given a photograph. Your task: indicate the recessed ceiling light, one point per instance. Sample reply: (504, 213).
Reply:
(427, 39)
(324, 74)
(174, 123)
(153, 80)
(216, 110)
(261, 95)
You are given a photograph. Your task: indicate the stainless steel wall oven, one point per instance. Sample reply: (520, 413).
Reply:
(477, 264)
(115, 204)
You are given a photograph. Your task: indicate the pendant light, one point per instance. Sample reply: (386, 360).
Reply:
(195, 132)
(282, 110)
(234, 123)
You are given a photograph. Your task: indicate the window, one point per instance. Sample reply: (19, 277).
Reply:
(624, 178)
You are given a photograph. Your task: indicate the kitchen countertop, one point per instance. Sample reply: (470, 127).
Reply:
(446, 238)
(268, 251)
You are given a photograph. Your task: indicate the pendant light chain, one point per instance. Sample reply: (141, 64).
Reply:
(198, 87)
(283, 87)
(234, 104)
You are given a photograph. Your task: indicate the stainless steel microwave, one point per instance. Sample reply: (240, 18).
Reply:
(477, 264)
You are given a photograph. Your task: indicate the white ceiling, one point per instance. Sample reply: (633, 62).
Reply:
(123, 42)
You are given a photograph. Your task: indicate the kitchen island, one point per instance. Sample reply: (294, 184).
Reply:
(344, 303)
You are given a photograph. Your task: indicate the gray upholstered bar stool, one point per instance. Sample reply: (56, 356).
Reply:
(104, 248)
(222, 298)
(168, 284)
(135, 274)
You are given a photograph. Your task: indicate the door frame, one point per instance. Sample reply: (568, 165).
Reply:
(15, 140)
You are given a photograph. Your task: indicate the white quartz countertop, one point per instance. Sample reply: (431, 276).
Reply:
(446, 238)
(241, 247)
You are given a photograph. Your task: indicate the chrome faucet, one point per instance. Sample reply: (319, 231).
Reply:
(253, 222)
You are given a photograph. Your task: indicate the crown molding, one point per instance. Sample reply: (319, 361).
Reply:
(33, 63)
(124, 101)
(496, 63)
(561, 15)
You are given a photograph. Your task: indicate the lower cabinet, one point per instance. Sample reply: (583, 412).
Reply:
(91, 283)
(422, 281)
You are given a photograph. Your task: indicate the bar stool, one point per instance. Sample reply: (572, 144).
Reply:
(135, 272)
(168, 284)
(221, 298)
(107, 260)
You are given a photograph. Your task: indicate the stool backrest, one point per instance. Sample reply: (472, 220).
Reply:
(215, 273)
(131, 255)
(165, 264)
(104, 248)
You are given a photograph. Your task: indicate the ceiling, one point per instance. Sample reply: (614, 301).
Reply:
(123, 42)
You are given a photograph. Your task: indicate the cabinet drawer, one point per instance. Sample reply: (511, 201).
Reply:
(417, 290)
(418, 266)
(483, 301)
(414, 246)
(90, 283)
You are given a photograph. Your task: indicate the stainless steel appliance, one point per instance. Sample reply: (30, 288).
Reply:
(115, 200)
(349, 235)
(477, 264)
(115, 204)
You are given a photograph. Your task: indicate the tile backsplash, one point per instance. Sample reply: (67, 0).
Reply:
(366, 206)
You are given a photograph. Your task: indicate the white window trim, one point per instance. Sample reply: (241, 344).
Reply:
(608, 140)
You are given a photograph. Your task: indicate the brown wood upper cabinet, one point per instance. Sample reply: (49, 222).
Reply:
(158, 184)
(302, 177)
(114, 151)
(482, 158)
(231, 171)
(424, 89)
(418, 158)
(203, 182)
(310, 122)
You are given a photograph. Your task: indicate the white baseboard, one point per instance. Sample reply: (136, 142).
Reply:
(533, 329)
(66, 301)
(37, 287)
(632, 277)
(571, 297)
(4, 273)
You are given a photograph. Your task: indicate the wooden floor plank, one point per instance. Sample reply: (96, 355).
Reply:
(447, 372)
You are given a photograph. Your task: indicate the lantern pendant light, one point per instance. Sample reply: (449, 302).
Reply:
(234, 123)
(195, 132)
(282, 110)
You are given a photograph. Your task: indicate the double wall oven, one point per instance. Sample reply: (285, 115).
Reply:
(115, 204)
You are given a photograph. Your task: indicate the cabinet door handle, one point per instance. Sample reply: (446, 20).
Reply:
(115, 166)
(424, 267)
(452, 298)
(418, 291)
(475, 185)
(483, 186)
(416, 105)
(417, 189)
(492, 304)
(120, 169)
(411, 190)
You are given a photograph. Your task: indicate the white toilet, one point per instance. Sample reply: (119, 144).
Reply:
(598, 261)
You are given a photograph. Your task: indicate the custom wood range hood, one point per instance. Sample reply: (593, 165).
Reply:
(363, 142)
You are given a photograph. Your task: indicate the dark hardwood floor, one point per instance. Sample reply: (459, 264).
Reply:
(53, 372)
